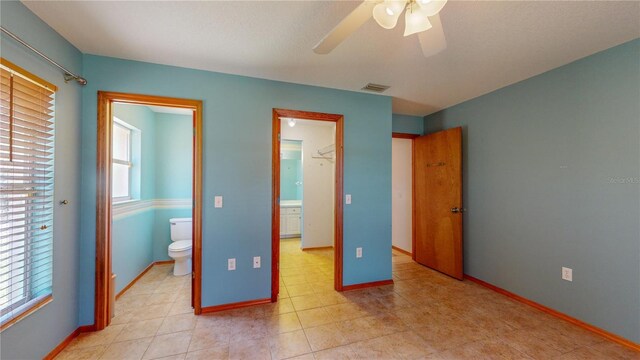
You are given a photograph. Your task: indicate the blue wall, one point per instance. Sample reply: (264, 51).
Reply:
(408, 124)
(174, 150)
(34, 336)
(291, 172)
(132, 244)
(539, 157)
(237, 165)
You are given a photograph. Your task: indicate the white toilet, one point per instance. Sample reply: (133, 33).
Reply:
(180, 248)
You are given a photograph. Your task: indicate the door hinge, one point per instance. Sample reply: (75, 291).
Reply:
(278, 137)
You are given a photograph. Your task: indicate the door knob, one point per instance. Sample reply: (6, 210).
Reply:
(457, 210)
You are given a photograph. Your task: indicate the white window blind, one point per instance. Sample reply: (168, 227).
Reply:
(26, 196)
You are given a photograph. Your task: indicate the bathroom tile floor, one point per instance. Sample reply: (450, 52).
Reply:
(424, 315)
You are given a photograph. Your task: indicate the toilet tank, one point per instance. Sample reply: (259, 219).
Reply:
(180, 229)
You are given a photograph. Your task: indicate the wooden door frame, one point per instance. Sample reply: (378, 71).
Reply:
(275, 191)
(103, 196)
(411, 137)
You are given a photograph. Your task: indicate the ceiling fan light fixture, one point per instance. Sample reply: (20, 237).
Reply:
(383, 18)
(431, 7)
(395, 6)
(415, 21)
(291, 122)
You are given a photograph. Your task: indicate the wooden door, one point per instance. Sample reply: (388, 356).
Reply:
(438, 201)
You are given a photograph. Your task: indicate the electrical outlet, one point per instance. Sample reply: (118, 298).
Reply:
(347, 199)
(256, 262)
(359, 252)
(231, 264)
(217, 201)
(567, 274)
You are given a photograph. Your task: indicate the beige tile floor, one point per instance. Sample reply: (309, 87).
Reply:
(424, 315)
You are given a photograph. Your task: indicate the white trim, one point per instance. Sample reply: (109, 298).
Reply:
(129, 208)
(172, 203)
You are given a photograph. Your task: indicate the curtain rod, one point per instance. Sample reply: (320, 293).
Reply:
(68, 75)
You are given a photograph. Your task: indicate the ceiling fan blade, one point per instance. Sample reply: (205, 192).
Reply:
(348, 25)
(433, 41)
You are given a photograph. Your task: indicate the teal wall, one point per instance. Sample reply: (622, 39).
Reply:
(35, 335)
(291, 172)
(237, 165)
(539, 159)
(144, 237)
(408, 124)
(132, 244)
(173, 152)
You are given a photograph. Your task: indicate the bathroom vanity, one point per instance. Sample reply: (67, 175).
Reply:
(290, 218)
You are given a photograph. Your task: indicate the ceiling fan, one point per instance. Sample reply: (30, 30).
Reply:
(420, 16)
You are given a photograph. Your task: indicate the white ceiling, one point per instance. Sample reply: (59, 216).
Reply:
(170, 110)
(490, 43)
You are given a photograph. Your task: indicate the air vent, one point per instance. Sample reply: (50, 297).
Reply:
(375, 87)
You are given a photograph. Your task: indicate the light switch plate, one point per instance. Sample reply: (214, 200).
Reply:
(231, 264)
(217, 201)
(567, 274)
(347, 199)
(256, 262)
(358, 252)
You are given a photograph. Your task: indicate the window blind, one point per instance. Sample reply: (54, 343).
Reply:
(26, 192)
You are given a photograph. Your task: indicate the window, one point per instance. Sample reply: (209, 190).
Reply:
(121, 165)
(26, 196)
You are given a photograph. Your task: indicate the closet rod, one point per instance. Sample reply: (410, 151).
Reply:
(68, 75)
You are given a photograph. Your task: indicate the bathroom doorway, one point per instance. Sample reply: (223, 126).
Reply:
(307, 202)
(133, 130)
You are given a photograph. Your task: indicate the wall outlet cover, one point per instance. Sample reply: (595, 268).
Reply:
(231, 264)
(358, 252)
(217, 201)
(567, 274)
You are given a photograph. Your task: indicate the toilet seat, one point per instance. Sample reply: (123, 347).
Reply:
(180, 245)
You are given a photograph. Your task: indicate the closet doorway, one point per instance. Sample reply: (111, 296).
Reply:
(307, 168)
(402, 193)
